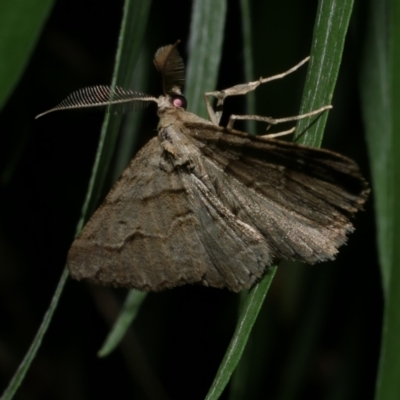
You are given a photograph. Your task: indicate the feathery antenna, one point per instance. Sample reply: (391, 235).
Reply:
(102, 96)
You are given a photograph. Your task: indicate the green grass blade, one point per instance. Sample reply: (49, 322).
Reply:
(21, 22)
(385, 163)
(205, 49)
(248, 316)
(329, 34)
(377, 115)
(128, 313)
(330, 30)
(23, 368)
(132, 28)
(129, 134)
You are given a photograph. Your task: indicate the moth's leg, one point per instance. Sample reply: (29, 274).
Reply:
(221, 95)
(242, 89)
(274, 121)
(277, 134)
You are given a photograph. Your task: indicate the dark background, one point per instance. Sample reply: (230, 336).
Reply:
(332, 311)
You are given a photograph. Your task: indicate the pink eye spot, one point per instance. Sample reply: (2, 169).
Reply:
(177, 102)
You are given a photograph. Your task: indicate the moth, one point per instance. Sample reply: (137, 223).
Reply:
(205, 204)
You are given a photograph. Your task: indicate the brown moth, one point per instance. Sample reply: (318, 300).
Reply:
(211, 205)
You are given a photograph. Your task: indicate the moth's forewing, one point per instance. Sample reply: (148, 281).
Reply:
(142, 234)
(159, 228)
(300, 198)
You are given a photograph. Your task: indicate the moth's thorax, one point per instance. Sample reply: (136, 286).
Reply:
(175, 139)
(170, 115)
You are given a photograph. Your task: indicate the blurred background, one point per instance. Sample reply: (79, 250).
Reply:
(318, 334)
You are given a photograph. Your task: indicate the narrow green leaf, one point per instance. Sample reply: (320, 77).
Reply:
(326, 55)
(205, 49)
(132, 28)
(330, 31)
(248, 316)
(134, 22)
(23, 368)
(21, 22)
(129, 134)
(128, 313)
(377, 114)
(385, 161)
